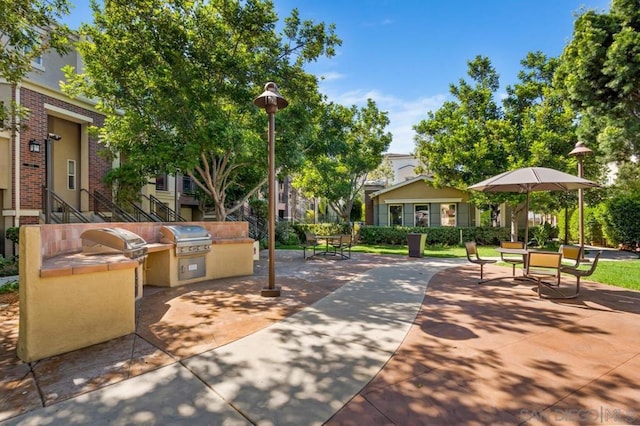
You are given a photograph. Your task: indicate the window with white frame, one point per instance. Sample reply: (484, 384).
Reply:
(448, 214)
(71, 174)
(395, 215)
(421, 215)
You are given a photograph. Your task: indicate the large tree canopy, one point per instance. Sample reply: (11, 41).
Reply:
(472, 138)
(463, 142)
(600, 76)
(353, 142)
(177, 79)
(28, 28)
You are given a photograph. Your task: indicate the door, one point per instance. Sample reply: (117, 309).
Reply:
(66, 160)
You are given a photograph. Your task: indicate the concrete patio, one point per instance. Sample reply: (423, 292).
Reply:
(349, 342)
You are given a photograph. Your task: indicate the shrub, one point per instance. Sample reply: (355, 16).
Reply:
(286, 234)
(593, 219)
(13, 234)
(321, 229)
(8, 267)
(447, 236)
(622, 220)
(543, 233)
(10, 287)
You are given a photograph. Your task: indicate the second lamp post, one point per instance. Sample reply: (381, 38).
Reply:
(579, 151)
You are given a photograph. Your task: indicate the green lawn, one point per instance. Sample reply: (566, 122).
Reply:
(619, 273)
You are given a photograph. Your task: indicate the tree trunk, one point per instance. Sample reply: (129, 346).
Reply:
(566, 225)
(514, 224)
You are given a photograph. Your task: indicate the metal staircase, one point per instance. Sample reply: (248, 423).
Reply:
(107, 210)
(161, 211)
(61, 211)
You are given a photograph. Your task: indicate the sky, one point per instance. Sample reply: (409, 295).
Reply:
(405, 54)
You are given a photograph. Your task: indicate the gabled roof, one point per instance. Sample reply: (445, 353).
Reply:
(401, 184)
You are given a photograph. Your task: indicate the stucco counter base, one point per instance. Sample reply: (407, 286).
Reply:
(73, 301)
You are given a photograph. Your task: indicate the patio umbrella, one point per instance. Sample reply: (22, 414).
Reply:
(530, 179)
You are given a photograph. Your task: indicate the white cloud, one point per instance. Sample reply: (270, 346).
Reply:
(403, 113)
(332, 76)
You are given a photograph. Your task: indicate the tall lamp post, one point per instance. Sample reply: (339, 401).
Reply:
(579, 151)
(271, 101)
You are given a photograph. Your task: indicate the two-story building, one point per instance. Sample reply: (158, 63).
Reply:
(56, 126)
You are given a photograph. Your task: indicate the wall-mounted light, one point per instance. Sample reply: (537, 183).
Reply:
(34, 146)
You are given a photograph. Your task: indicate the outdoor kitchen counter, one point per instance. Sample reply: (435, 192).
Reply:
(79, 263)
(239, 240)
(228, 257)
(71, 299)
(156, 247)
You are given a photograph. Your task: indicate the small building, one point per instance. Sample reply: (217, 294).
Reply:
(416, 202)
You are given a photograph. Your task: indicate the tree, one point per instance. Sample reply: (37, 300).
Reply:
(464, 141)
(176, 81)
(472, 139)
(544, 127)
(28, 28)
(600, 76)
(354, 140)
(383, 173)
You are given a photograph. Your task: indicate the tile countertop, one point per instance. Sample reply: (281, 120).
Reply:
(78, 263)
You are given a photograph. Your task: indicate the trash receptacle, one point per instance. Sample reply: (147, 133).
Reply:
(416, 244)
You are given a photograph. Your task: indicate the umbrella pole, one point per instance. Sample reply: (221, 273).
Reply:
(526, 222)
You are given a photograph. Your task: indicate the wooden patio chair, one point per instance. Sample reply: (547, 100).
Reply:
(544, 265)
(579, 273)
(472, 255)
(511, 258)
(310, 243)
(342, 244)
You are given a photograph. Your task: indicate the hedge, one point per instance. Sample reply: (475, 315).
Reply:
(448, 236)
(320, 229)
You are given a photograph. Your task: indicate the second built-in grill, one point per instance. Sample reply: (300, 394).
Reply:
(188, 239)
(192, 243)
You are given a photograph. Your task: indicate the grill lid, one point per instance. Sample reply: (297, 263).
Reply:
(183, 234)
(113, 240)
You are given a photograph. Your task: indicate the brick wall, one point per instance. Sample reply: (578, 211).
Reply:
(33, 168)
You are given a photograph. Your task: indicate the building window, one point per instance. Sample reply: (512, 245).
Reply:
(38, 63)
(71, 174)
(421, 215)
(395, 215)
(448, 214)
(188, 186)
(161, 182)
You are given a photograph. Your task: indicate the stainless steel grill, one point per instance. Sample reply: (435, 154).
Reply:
(188, 239)
(113, 240)
(192, 243)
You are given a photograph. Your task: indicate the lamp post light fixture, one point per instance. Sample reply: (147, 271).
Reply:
(579, 151)
(271, 101)
(34, 146)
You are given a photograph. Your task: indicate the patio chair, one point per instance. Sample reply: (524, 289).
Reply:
(472, 255)
(310, 243)
(579, 273)
(572, 254)
(544, 265)
(341, 244)
(512, 259)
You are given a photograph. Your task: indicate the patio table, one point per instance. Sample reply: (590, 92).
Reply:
(524, 252)
(328, 239)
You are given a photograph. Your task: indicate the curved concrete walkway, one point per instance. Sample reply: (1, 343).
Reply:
(383, 348)
(300, 370)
